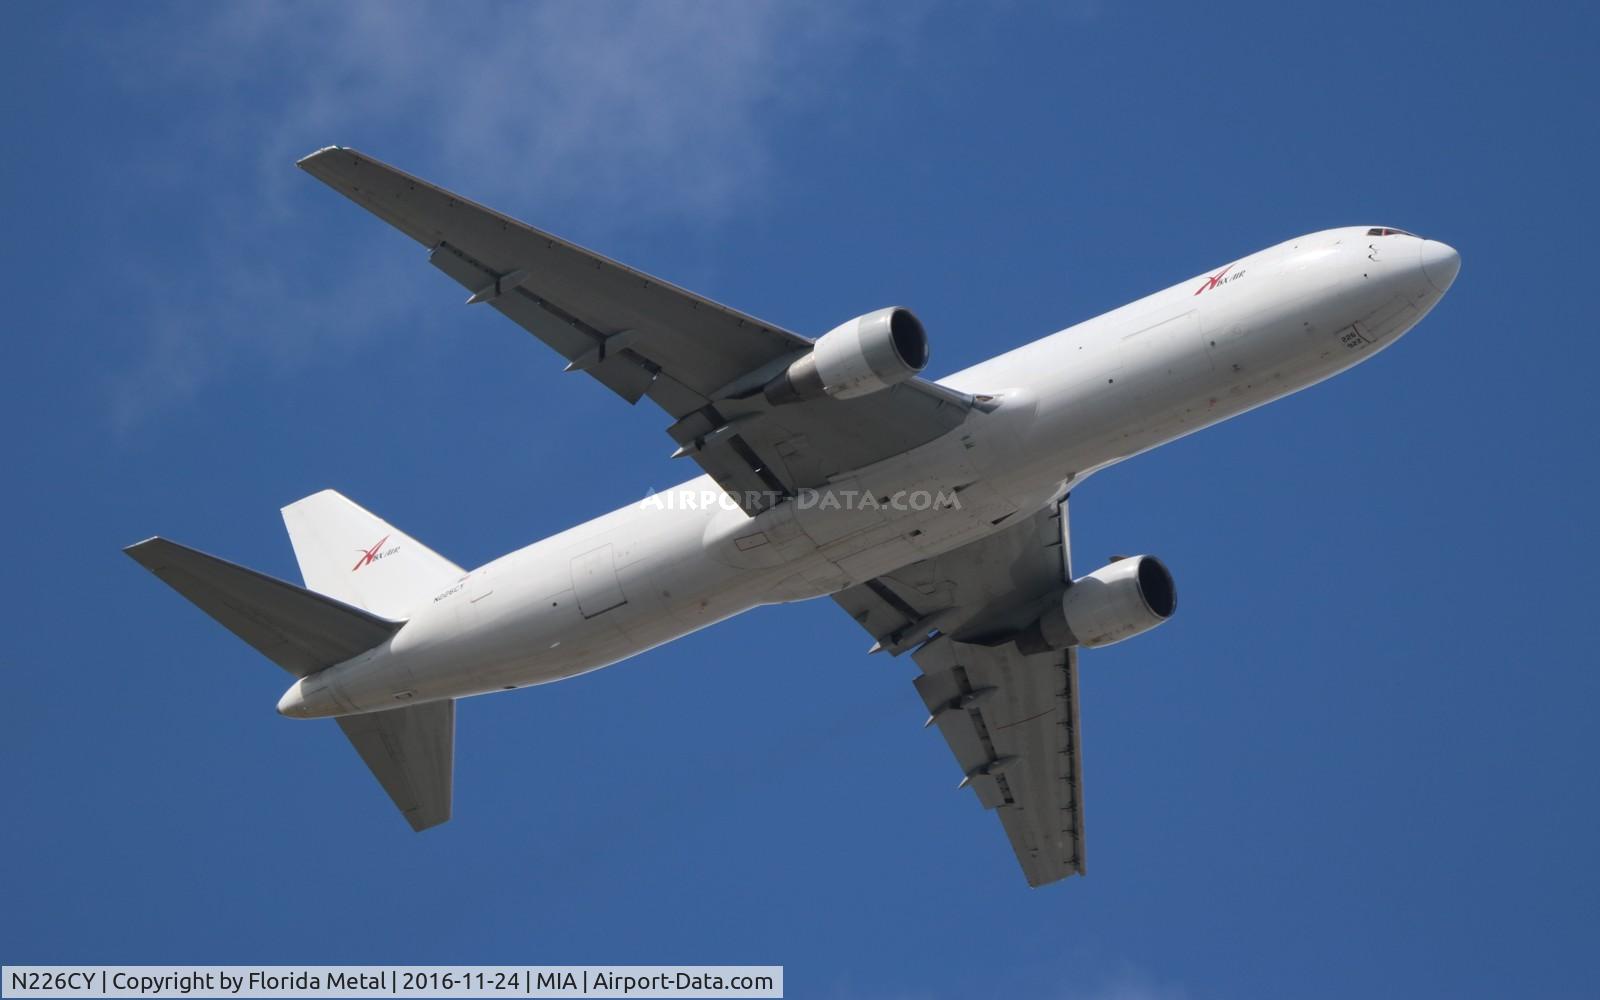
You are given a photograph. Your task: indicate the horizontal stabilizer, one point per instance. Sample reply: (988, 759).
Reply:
(412, 753)
(300, 631)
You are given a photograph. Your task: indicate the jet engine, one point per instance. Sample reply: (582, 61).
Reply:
(862, 356)
(1115, 602)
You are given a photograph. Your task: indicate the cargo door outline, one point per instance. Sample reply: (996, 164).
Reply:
(595, 583)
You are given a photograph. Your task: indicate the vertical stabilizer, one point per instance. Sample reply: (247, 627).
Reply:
(357, 557)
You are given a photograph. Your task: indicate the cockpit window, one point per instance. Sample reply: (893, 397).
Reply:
(1380, 231)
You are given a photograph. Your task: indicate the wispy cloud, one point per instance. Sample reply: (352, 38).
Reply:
(1129, 984)
(612, 112)
(1084, 972)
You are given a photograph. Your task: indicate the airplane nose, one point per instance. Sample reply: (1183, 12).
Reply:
(1440, 263)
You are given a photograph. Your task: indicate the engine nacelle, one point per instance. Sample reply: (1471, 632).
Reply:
(1115, 602)
(865, 355)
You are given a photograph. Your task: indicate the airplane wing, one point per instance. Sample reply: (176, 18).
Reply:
(640, 336)
(1011, 719)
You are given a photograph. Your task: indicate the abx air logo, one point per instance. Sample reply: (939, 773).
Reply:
(375, 553)
(1222, 277)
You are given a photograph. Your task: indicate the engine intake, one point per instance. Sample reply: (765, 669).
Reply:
(865, 355)
(1115, 602)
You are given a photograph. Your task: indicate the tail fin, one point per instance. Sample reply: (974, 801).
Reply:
(353, 555)
(300, 631)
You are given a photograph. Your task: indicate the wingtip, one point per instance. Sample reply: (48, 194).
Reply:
(150, 553)
(309, 160)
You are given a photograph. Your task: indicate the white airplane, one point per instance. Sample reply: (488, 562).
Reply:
(934, 513)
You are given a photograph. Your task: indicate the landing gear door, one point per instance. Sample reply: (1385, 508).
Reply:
(594, 581)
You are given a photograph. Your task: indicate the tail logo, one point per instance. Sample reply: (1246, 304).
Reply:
(374, 554)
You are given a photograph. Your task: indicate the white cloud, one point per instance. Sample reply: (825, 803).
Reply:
(1082, 973)
(1130, 984)
(603, 102)
(615, 113)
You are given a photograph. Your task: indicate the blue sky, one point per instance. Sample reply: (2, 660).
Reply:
(1359, 762)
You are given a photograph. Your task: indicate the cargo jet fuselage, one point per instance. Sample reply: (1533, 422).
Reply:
(1052, 413)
